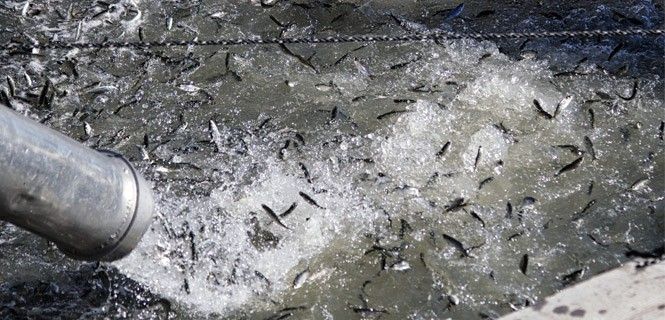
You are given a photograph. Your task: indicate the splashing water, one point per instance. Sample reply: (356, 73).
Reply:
(440, 200)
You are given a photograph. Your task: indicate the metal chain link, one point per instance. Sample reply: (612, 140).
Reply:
(333, 39)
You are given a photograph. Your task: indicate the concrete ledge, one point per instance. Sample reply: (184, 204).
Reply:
(635, 290)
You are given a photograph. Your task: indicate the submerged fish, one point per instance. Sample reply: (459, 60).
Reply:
(454, 13)
(571, 166)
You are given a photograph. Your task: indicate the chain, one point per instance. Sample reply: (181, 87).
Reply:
(333, 39)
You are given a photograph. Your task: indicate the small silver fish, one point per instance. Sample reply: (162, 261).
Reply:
(12, 86)
(639, 184)
(88, 129)
(401, 266)
(189, 88)
(563, 104)
(24, 11)
(27, 79)
(454, 13)
(323, 87)
(169, 23)
(301, 278)
(363, 70)
(144, 153)
(100, 90)
(78, 31)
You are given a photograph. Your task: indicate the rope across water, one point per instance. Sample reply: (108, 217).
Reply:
(334, 39)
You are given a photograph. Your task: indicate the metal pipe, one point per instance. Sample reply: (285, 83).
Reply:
(92, 205)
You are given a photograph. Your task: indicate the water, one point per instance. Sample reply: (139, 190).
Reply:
(401, 227)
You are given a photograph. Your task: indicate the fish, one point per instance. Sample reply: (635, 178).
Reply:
(274, 216)
(589, 147)
(88, 129)
(43, 94)
(409, 26)
(100, 90)
(169, 23)
(454, 13)
(571, 166)
(515, 235)
(362, 69)
(27, 79)
(305, 171)
(475, 163)
(310, 200)
(364, 311)
(621, 71)
(305, 61)
(300, 138)
(443, 150)
(528, 201)
(633, 93)
(639, 184)
(573, 276)
(24, 11)
(590, 190)
(334, 113)
(185, 285)
(280, 153)
(323, 87)
(457, 244)
(485, 181)
(268, 3)
(620, 17)
(404, 228)
(403, 64)
(455, 205)
(563, 104)
(5, 99)
(289, 210)
(485, 13)
(144, 153)
(192, 246)
(661, 131)
(261, 276)
(301, 278)
(11, 86)
(541, 111)
(263, 123)
(584, 211)
(552, 15)
(390, 113)
(477, 217)
(401, 265)
(604, 96)
(524, 263)
(614, 51)
(570, 147)
(215, 136)
(596, 241)
(509, 210)
(592, 118)
(404, 101)
(346, 55)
